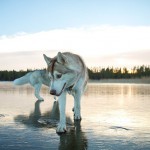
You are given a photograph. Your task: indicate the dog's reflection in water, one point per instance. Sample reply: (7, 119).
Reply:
(73, 139)
(37, 119)
(34, 116)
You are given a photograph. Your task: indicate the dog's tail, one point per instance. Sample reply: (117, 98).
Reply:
(23, 80)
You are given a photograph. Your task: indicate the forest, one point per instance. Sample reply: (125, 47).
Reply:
(119, 73)
(95, 73)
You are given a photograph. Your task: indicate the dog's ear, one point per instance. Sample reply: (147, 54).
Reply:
(47, 59)
(61, 58)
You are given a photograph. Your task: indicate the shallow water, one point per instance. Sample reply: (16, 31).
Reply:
(114, 117)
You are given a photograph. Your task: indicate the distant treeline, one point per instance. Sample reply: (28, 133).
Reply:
(11, 75)
(95, 73)
(119, 73)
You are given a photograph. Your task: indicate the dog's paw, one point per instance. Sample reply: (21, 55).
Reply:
(61, 128)
(77, 117)
(40, 99)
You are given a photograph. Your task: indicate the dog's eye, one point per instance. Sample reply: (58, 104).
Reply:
(58, 76)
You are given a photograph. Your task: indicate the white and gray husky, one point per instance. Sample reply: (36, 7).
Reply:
(66, 72)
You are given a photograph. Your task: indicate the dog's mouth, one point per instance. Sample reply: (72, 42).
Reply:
(61, 90)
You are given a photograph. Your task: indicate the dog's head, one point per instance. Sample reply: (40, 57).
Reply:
(60, 74)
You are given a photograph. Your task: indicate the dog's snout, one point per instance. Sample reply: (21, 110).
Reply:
(53, 92)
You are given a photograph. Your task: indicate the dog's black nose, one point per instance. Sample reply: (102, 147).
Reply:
(53, 92)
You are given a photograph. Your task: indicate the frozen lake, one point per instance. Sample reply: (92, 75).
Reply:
(114, 117)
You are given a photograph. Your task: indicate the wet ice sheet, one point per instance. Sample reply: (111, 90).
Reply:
(114, 116)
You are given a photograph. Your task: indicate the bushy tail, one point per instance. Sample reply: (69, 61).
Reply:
(23, 80)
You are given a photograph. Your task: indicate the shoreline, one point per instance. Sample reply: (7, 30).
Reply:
(143, 80)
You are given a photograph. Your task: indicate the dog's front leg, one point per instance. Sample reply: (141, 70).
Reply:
(37, 88)
(62, 107)
(77, 107)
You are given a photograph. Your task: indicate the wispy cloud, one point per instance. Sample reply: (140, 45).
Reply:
(35, 60)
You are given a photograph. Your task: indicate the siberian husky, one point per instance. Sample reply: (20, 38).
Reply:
(36, 79)
(67, 73)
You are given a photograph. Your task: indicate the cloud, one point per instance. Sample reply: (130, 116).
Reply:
(99, 46)
(102, 40)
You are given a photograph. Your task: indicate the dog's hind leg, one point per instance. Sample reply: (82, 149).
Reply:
(37, 88)
(77, 106)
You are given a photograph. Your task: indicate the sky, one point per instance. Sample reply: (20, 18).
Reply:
(105, 33)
